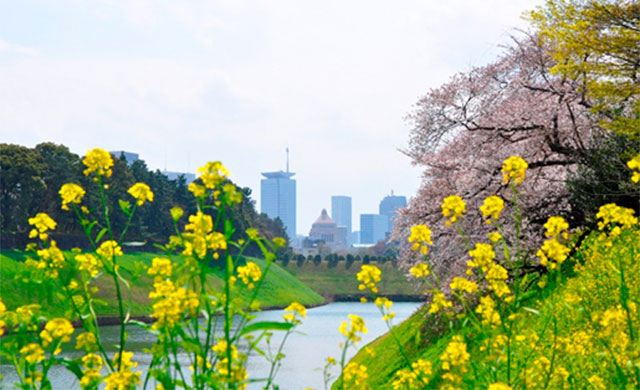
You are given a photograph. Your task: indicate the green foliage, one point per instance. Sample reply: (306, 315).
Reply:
(21, 185)
(30, 179)
(603, 177)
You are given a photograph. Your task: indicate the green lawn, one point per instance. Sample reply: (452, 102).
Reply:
(279, 289)
(340, 280)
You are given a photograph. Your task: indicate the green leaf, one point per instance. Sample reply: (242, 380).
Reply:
(72, 366)
(139, 323)
(265, 325)
(100, 302)
(102, 233)
(125, 206)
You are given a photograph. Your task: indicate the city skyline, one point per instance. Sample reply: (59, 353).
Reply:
(183, 83)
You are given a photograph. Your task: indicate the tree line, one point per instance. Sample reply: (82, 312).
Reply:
(30, 179)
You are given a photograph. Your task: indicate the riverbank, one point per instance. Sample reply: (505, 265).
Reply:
(585, 296)
(279, 289)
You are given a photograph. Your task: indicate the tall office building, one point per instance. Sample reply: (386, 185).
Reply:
(389, 205)
(128, 156)
(373, 228)
(341, 211)
(278, 197)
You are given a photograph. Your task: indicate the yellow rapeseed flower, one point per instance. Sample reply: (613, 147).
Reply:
(439, 302)
(71, 193)
(56, 329)
(496, 276)
(51, 260)
(416, 377)
(33, 353)
(494, 237)
(499, 386)
(98, 161)
(382, 301)
(294, 308)
(634, 165)
(141, 192)
(514, 169)
(160, 266)
(453, 207)
(369, 275)
(249, 274)
(455, 355)
(109, 249)
(213, 174)
(88, 262)
(487, 309)
(355, 376)
(87, 341)
(463, 284)
(124, 378)
(612, 214)
(552, 253)
(91, 373)
(483, 256)
(42, 223)
(279, 242)
(491, 208)
(420, 237)
(197, 190)
(420, 270)
(555, 225)
(233, 196)
(176, 213)
(352, 330)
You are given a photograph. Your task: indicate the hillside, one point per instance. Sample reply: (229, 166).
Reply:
(279, 289)
(579, 331)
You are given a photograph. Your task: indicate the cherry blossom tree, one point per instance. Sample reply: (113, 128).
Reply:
(465, 129)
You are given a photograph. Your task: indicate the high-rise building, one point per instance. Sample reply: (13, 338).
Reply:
(373, 228)
(341, 211)
(278, 197)
(128, 156)
(389, 205)
(188, 177)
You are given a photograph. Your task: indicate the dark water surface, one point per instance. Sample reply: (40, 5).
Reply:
(306, 351)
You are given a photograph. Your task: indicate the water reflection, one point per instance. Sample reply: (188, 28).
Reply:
(306, 350)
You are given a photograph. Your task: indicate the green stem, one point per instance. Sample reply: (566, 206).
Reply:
(276, 361)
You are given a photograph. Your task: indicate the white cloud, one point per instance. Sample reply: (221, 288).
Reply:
(13, 48)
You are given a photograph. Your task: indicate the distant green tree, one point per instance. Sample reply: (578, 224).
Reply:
(21, 185)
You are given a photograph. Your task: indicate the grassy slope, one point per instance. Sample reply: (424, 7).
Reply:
(340, 280)
(424, 335)
(279, 289)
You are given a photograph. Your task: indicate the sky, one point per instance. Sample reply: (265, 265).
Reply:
(186, 82)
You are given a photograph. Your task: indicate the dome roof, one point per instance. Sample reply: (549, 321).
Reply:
(324, 219)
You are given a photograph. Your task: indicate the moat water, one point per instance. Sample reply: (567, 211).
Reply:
(306, 350)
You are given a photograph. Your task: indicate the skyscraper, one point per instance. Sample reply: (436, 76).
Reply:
(278, 197)
(373, 228)
(341, 211)
(389, 205)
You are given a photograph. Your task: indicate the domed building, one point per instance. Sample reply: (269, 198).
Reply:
(325, 229)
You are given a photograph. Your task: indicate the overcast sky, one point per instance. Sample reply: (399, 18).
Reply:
(185, 82)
